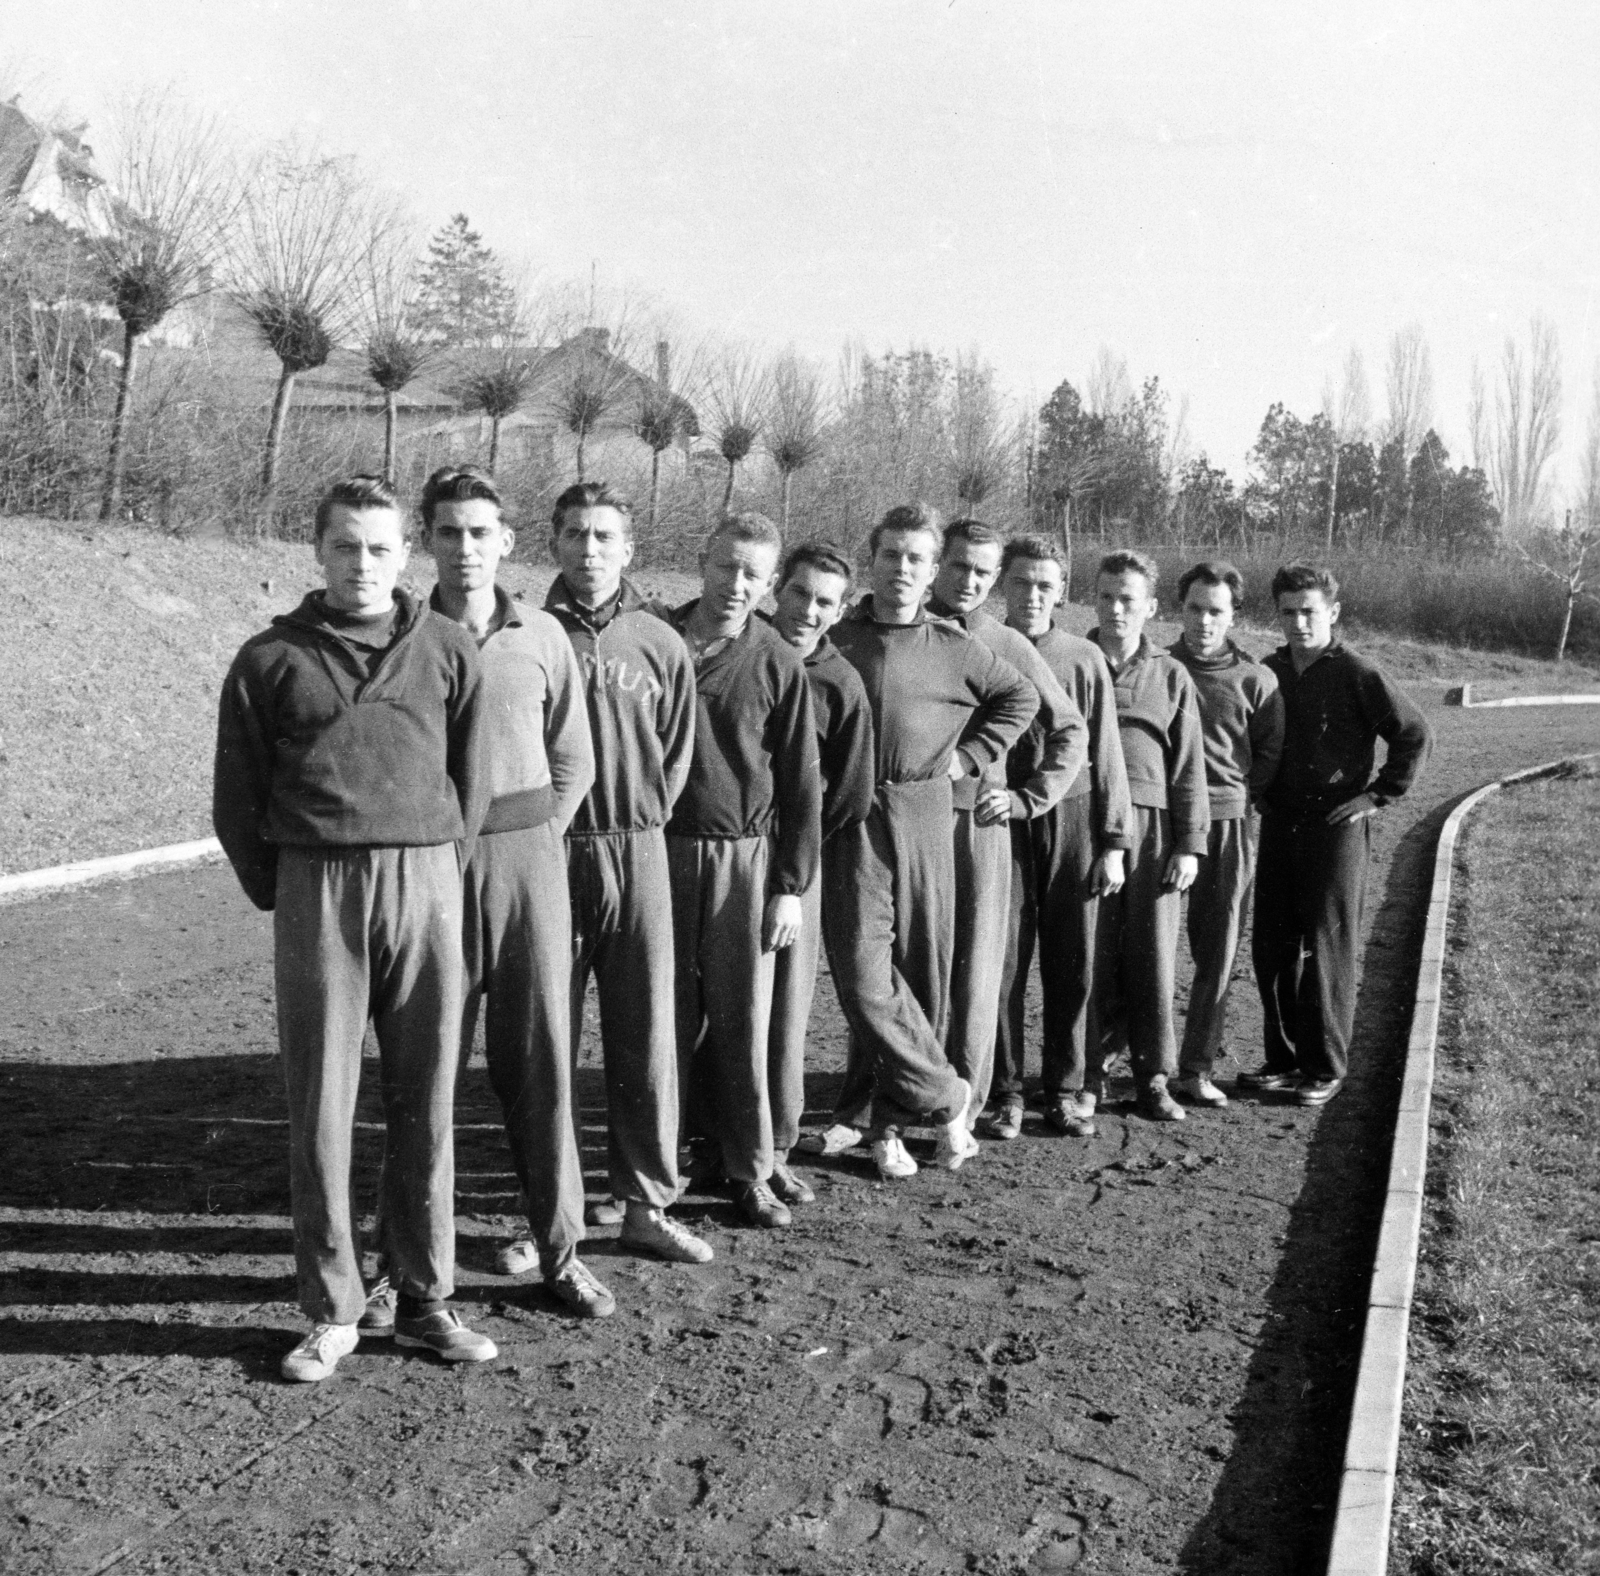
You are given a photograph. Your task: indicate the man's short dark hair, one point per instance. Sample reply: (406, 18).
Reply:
(591, 495)
(1033, 549)
(458, 484)
(361, 491)
(974, 532)
(1302, 576)
(1213, 572)
(908, 517)
(748, 526)
(821, 556)
(1125, 561)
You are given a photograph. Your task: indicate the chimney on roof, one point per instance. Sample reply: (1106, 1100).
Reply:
(663, 363)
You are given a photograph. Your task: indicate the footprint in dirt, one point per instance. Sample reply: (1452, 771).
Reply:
(907, 1533)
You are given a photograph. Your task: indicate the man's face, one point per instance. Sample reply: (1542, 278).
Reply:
(1308, 618)
(1207, 618)
(593, 546)
(362, 552)
(468, 539)
(903, 568)
(966, 574)
(1125, 603)
(1032, 588)
(809, 604)
(734, 576)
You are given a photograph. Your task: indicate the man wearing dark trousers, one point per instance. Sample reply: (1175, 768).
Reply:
(1063, 861)
(985, 810)
(812, 590)
(1241, 721)
(639, 688)
(1316, 835)
(743, 844)
(943, 708)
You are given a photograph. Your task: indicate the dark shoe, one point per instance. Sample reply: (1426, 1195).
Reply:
(377, 1318)
(1004, 1123)
(1267, 1080)
(443, 1333)
(1317, 1091)
(704, 1169)
(788, 1187)
(759, 1205)
(1072, 1116)
(575, 1287)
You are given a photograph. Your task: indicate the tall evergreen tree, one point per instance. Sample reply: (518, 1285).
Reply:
(463, 297)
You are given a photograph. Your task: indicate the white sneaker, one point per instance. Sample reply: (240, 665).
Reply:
(1197, 1089)
(955, 1145)
(516, 1258)
(891, 1158)
(660, 1234)
(834, 1140)
(318, 1354)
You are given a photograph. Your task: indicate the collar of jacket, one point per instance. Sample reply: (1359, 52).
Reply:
(1142, 652)
(560, 599)
(1229, 657)
(862, 613)
(507, 614)
(1285, 653)
(314, 613)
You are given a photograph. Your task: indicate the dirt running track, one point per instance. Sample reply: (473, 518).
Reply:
(1128, 1355)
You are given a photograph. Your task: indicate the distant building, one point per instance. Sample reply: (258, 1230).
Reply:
(50, 172)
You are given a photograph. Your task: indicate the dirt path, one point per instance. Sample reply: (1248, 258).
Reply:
(1127, 1355)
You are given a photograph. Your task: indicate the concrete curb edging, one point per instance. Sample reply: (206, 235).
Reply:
(84, 872)
(1366, 1488)
(1463, 697)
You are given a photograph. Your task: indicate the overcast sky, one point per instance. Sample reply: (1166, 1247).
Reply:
(1228, 195)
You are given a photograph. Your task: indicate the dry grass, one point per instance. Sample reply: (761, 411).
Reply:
(1500, 1457)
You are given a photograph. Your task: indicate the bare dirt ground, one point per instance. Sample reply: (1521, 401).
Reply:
(1132, 1354)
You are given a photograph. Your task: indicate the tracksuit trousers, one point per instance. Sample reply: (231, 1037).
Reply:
(359, 934)
(1051, 909)
(517, 942)
(622, 934)
(1215, 922)
(983, 902)
(1310, 889)
(724, 994)
(794, 985)
(889, 888)
(1135, 963)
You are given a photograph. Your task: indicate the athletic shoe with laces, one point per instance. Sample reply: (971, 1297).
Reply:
(1072, 1115)
(574, 1286)
(789, 1188)
(1267, 1080)
(605, 1212)
(833, 1140)
(1156, 1105)
(658, 1233)
(443, 1333)
(318, 1354)
(891, 1158)
(1006, 1122)
(520, 1257)
(760, 1205)
(377, 1318)
(1198, 1089)
(955, 1145)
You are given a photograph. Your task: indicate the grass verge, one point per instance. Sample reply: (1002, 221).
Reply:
(1499, 1460)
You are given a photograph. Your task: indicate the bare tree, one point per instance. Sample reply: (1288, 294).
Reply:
(176, 192)
(1527, 426)
(388, 279)
(1349, 412)
(1108, 387)
(738, 396)
(591, 382)
(296, 245)
(795, 419)
(1479, 438)
(663, 414)
(1408, 389)
(980, 443)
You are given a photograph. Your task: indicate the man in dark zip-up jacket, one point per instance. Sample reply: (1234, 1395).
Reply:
(1316, 835)
(639, 688)
(742, 845)
(348, 792)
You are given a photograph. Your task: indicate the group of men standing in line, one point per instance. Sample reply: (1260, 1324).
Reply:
(467, 802)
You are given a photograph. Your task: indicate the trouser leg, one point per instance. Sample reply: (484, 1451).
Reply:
(1022, 922)
(1149, 957)
(1277, 940)
(1068, 916)
(519, 920)
(794, 983)
(982, 910)
(1215, 920)
(1335, 860)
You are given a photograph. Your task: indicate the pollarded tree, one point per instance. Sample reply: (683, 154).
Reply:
(738, 395)
(176, 191)
(981, 447)
(794, 423)
(588, 381)
(388, 280)
(464, 299)
(663, 415)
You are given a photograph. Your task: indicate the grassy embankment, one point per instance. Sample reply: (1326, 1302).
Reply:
(116, 643)
(1502, 1426)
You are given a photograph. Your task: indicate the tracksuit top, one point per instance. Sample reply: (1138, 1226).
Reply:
(639, 689)
(314, 752)
(844, 738)
(536, 751)
(1063, 735)
(933, 691)
(754, 770)
(1158, 717)
(1241, 725)
(1080, 667)
(1334, 713)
